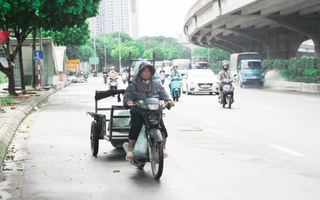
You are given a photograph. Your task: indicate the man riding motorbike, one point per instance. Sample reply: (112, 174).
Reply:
(104, 71)
(162, 71)
(224, 73)
(174, 74)
(113, 73)
(141, 88)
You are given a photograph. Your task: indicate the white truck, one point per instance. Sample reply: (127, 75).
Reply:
(200, 62)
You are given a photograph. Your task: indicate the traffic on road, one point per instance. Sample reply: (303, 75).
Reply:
(262, 148)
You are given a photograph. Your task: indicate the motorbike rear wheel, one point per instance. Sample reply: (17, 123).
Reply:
(157, 159)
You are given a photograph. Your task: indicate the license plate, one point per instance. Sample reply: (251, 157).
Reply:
(205, 86)
(254, 77)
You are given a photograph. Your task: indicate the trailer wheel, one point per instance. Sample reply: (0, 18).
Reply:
(94, 138)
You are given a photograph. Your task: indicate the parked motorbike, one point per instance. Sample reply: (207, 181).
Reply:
(152, 114)
(95, 73)
(175, 88)
(227, 92)
(162, 78)
(113, 83)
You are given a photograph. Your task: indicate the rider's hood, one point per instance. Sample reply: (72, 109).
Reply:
(147, 64)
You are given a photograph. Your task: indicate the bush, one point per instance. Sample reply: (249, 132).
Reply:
(302, 70)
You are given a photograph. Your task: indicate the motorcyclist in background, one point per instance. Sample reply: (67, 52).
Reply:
(104, 71)
(113, 73)
(174, 75)
(86, 71)
(224, 73)
(162, 71)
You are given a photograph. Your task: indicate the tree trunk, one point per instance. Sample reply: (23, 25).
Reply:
(23, 86)
(9, 71)
(11, 87)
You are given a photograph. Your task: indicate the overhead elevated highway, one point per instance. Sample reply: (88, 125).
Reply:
(275, 28)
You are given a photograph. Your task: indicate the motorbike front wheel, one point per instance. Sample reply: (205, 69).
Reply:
(228, 101)
(157, 159)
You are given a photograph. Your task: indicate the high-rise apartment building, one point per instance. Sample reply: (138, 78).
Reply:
(114, 16)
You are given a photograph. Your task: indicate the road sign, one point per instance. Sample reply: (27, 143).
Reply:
(94, 60)
(38, 55)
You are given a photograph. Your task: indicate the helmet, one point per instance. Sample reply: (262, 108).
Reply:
(113, 68)
(147, 64)
(175, 67)
(225, 64)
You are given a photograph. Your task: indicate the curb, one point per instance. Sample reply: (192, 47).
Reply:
(294, 86)
(12, 123)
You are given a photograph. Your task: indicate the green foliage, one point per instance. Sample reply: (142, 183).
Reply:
(23, 16)
(215, 55)
(76, 35)
(302, 70)
(216, 68)
(166, 48)
(136, 48)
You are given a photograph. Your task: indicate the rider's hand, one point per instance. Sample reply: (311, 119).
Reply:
(171, 103)
(130, 103)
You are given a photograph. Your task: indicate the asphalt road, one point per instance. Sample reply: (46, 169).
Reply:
(265, 147)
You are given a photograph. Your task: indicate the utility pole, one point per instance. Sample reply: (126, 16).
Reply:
(34, 80)
(105, 54)
(119, 26)
(119, 51)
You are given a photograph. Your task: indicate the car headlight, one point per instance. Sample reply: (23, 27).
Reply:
(153, 106)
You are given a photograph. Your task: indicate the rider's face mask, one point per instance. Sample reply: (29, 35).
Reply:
(225, 68)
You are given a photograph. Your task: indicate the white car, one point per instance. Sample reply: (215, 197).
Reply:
(200, 81)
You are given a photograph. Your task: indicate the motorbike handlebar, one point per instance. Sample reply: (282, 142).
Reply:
(137, 105)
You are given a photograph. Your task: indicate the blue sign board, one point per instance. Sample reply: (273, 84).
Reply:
(38, 55)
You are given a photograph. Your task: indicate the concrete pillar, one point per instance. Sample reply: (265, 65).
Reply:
(316, 40)
(280, 43)
(307, 25)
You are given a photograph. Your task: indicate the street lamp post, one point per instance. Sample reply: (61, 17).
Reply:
(105, 37)
(94, 47)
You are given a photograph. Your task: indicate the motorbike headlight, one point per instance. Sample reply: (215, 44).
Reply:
(153, 106)
(191, 83)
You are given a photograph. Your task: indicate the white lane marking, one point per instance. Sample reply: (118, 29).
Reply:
(311, 99)
(286, 150)
(211, 124)
(269, 108)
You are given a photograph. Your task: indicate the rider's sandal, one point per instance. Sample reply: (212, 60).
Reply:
(165, 153)
(129, 156)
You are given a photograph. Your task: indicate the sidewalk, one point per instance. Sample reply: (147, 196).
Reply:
(16, 112)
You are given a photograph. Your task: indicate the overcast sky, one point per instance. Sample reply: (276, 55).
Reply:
(163, 17)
